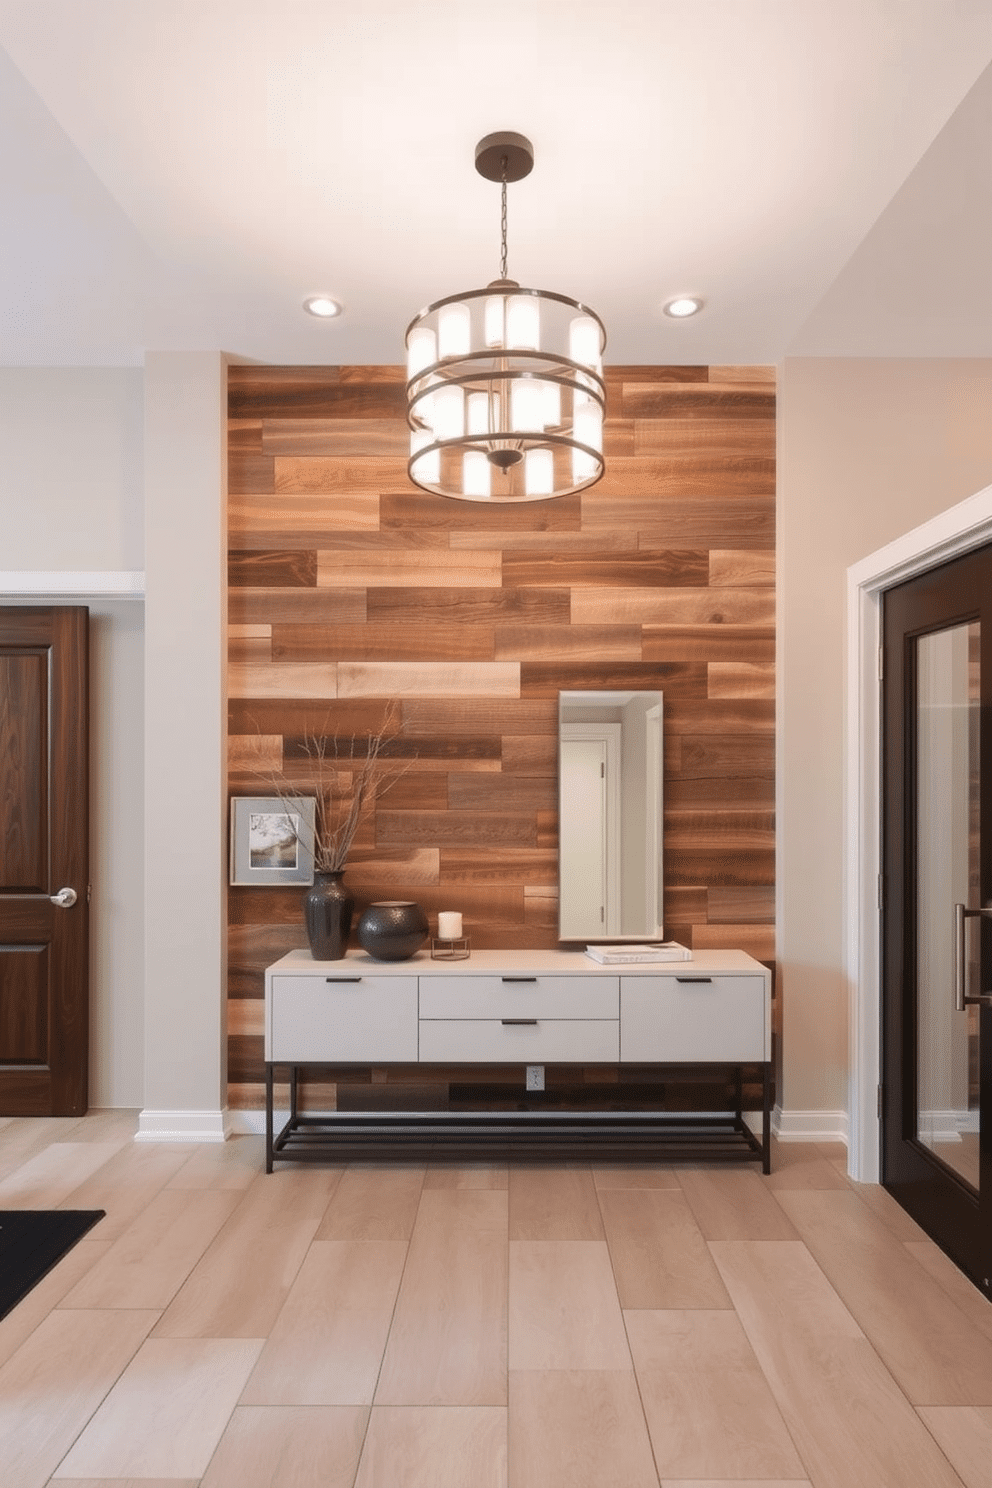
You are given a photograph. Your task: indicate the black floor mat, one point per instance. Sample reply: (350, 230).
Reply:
(32, 1241)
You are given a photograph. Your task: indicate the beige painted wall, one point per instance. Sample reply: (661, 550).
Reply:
(868, 449)
(71, 484)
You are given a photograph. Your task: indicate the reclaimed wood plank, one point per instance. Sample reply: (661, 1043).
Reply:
(303, 512)
(383, 642)
(289, 680)
(494, 864)
(340, 437)
(289, 568)
(421, 509)
(444, 829)
(467, 606)
(321, 392)
(249, 471)
(735, 568)
(740, 679)
(667, 568)
(545, 678)
(297, 606)
(690, 606)
(753, 643)
(548, 642)
(417, 679)
(432, 567)
(486, 793)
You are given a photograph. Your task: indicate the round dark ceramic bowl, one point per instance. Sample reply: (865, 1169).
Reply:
(393, 929)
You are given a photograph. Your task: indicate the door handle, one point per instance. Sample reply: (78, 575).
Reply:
(961, 1001)
(65, 898)
(519, 1022)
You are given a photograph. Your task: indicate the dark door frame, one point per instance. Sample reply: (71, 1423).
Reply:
(951, 533)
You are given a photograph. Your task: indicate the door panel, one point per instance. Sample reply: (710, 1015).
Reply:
(43, 849)
(937, 1073)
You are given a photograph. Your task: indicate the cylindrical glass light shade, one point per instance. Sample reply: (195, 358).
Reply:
(494, 317)
(426, 468)
(454, 331)
(421, 350)
(539, 472)
(584, 341)
(449, 413)
(523, 323)
(550, 404)
(587, 428)
(478, 413)
(476, 474)
(526, 406)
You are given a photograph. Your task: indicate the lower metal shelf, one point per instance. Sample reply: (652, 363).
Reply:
(451, 1135)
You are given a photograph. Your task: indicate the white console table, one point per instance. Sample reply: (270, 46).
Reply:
(526, 1008)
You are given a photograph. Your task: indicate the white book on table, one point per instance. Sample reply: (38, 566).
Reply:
(617, 955)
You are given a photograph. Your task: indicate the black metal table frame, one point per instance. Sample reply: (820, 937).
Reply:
(645, 1135)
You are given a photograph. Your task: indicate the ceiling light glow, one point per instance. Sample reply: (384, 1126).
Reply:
(322, 306)
(683, 306)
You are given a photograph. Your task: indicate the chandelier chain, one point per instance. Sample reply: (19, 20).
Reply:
(502, 223)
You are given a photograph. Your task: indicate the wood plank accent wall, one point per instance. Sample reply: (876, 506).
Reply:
(349, 588)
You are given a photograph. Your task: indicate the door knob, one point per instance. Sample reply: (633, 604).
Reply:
(65, 898)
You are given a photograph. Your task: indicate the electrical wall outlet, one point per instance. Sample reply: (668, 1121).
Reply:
(535, 1077)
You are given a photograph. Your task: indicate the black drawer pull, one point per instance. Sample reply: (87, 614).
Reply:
(518, 979)
(519, 1022)
(342, 979)
(693, 979)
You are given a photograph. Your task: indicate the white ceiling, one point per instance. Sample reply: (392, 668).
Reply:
(181, 173)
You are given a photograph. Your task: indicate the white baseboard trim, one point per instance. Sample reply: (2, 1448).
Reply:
(183, 1126)
(809, 1126)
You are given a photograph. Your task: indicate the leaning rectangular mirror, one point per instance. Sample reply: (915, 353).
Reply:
(609, 816)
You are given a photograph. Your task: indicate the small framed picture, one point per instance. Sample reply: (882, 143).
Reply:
(272, 840)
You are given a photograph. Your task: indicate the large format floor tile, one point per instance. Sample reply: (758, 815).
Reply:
(578, 1429)
(852, 1425)
(51, 1386)
(447, 1344)
(237, 1288)
(709, 1409)
(327, 1344)
(564, 1309)
(167, 1412)
(427, 1446)
(288, 1447)
(659, 1255)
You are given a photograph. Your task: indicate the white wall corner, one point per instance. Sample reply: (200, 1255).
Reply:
(183, 1126)
(809, 1126)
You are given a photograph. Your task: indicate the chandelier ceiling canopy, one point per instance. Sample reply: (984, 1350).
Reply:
(505, 393)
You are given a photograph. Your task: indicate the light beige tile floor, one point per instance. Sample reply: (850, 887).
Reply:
(396, 1326)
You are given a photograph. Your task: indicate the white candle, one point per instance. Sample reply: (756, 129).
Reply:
(449, 925)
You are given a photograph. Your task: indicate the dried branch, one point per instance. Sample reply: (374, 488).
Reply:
(345, 776)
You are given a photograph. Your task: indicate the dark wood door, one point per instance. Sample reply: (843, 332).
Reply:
(44, 861)
(937, 918)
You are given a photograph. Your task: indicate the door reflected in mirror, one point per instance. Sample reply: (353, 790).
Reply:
(610, 765)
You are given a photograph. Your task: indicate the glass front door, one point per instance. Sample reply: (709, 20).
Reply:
(937, 914)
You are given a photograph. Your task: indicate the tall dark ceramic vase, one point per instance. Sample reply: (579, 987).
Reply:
(327, 911)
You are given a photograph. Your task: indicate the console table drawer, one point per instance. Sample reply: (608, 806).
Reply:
(520, 995)
(342, 1019)
(691, 1018)
(544, 1041)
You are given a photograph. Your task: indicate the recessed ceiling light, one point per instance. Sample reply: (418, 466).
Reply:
(322, 306)
(683, 306)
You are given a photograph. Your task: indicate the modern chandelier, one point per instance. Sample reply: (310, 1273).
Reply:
(505, 394)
